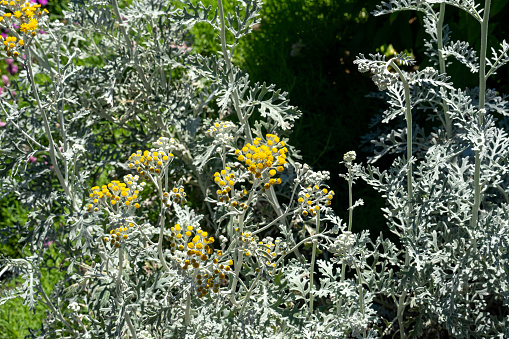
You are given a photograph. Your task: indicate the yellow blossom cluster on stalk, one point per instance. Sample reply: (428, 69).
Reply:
(118, 235)
(149, 162)
(193, 250)
(226, 180)
(116, 196)
(177, 195)
(266, 252)
(25, 16)
(153, 163)
(12, 45)
(312, 198)
(264, 157)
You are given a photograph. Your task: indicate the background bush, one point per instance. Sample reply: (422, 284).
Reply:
(307, 49)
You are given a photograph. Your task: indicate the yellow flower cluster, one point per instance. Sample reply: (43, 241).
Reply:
(117, 196)
(177, 195)
(147, 163)
(118, 235)
(24, 14)
(226, 180)
(153, 163)
(312, 198)
(260, 157)
(11, 44)
(193, 249)
(265, 251)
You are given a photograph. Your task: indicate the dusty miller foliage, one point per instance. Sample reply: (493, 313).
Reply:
(112, 81)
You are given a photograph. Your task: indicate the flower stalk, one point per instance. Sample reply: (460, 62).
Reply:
(482, 111)
(312, 268)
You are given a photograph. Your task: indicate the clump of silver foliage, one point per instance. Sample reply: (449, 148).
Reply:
(215, 246)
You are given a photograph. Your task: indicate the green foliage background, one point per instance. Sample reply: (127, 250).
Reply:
(305, 47)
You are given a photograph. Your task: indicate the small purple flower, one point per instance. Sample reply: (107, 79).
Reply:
(4, 35)
(13, 69)
(9, 61)
(32, 159)
(2, 124)
(43, 2)
(5, 79)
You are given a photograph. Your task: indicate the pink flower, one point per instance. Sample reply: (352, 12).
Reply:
(9, 61)
(32, 159)
(5, 79)
(13, 69)
(2, 124)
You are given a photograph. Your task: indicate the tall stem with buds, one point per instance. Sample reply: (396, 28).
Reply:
(348, 158)
(312, 268)
(441, 61)
(482, 111)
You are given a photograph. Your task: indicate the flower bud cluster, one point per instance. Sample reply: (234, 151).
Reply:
(221, 132)
(74, 307)
(312, 199)
(382, 77)
(310, 177)
(144, 334)
(343, 244)
(177, 195)
(119, 197)
(349, 156)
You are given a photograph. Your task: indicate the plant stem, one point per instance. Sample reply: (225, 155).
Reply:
(240, 254)
(229, 70)
(188, 309)
(408, 118)
(161, 232)
(350, 199)
(248, 295)
(482, 96)
(294, 248)
(361, 291)
(56, 311)
(120, 268)
(119, 291)
(46, 128)
(350, 221)
(441, 60)
(312, 268)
